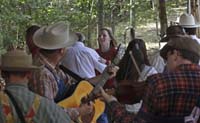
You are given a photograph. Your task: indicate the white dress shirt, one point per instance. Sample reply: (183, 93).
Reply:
(195, 37)
(83, 60)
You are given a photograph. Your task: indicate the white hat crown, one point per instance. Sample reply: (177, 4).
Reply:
(188, 21)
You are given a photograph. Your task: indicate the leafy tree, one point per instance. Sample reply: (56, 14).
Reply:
(17, 15)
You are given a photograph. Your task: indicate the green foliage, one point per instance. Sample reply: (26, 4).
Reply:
(17, 15)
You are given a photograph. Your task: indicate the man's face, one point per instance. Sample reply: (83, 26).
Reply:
(171, 60)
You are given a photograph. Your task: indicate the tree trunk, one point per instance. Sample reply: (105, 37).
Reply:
(163, 17)
(195, 10)
(100, 12)
(90, 5)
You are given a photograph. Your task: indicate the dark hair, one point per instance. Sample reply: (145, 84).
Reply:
(31, 30)
(6, 74)
(47, 52)
(80, 36)
(127, 68)
(190, 31)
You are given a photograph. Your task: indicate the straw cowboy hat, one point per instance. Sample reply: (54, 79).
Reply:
(188, 21)
(55, 36)
(17, 60)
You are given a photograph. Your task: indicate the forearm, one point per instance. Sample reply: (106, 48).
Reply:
(73, 113)
(119, 114)
(94, 80)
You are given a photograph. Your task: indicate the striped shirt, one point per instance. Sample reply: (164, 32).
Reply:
(44, 83)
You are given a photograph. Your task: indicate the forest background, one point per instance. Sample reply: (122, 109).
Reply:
(149, 18)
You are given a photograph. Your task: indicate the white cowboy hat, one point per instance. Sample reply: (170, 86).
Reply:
(188, 21)
(17, 60)
(55, 36)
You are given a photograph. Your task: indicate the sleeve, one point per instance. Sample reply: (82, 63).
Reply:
(49, 85)
(149, 100)
(119, 114)
(35, 84)
(99, 66)
(49, 112)
(2, 118)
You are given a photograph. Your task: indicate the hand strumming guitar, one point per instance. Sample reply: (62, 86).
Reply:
(106, 97)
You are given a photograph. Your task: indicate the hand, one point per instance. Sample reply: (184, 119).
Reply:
(106, 97)
(85, 109)
(112, 70)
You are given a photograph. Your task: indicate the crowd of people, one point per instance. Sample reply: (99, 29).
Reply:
(167, 92)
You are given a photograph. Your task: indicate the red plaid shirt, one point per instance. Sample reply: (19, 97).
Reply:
(169, 94)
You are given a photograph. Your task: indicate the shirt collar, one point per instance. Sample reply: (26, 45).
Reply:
(44, 61)
(78, 43)
(22, 84)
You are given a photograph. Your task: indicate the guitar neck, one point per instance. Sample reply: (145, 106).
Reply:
(104, 78)
(105, 75)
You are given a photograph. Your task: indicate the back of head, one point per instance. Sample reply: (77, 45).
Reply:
(31, 30)
(138, 48)
(81, 36)
(139, 52)
(29, 39)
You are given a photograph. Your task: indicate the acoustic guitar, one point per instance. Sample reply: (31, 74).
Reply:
(85, 92)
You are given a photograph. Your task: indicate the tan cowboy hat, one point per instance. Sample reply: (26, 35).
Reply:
(17, 60)
(55, 36)
(188, 21)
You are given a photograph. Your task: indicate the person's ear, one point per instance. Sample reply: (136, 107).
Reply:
(62, 51)
(176, 54)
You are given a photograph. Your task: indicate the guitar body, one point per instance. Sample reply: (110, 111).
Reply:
(82, 90)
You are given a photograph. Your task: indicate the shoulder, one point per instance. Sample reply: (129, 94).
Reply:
(54, 112)
(157, 79)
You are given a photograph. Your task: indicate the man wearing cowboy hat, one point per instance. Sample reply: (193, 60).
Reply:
(170, 97)
(188, 22)
(19, 104)
(156, 60)
(50, 81)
